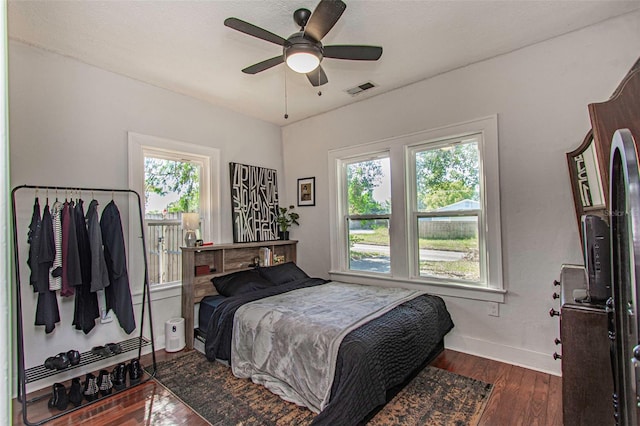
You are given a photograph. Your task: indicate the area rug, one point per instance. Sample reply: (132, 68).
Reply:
(433, 397)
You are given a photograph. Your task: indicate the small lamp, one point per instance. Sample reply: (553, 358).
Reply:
(190, 223)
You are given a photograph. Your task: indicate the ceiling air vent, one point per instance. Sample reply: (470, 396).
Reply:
(361, 88)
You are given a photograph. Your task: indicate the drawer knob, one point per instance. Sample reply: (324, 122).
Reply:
(556, 356)
(556, 282)
(557, 341)
(553, 313)
(556, 296)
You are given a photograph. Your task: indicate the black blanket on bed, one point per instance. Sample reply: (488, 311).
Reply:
(372, 359)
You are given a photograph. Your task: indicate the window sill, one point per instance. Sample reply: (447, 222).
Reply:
(439, 289)
(160, 291)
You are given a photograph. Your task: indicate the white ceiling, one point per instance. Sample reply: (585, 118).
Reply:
(183, 46)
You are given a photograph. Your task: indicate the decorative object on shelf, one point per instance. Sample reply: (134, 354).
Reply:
(254, 203)
(307, 191)
(190, 224)
(286, 218)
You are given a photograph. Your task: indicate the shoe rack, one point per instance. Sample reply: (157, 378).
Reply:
(129, 346)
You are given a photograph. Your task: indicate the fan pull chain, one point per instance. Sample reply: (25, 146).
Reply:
(286, 113)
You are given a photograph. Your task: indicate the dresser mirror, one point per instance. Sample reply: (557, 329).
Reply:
(586, 182)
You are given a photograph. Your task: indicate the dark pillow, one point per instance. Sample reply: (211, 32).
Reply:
(240, 282)
(283, 273)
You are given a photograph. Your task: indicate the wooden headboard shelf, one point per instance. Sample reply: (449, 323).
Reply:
(220, 259)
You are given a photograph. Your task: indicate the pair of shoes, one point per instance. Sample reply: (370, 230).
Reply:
(62, 360)
(107, 350)
(119, 377)
(104, 383)
(135, 371)
(59, 399)
(75, 392)
(90, 391)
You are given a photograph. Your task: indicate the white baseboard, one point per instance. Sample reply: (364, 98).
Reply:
(533, 360)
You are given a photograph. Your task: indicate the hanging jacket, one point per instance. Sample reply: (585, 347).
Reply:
(33, 239)
(70, 259)
(47, 312)
(118, 293)
(99, 274)
(86, 309)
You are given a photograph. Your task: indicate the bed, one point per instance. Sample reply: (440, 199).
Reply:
(293, 334)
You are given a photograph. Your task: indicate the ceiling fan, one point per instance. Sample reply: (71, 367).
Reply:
(303, 51)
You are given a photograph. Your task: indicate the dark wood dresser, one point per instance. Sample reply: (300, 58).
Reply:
(587, 379)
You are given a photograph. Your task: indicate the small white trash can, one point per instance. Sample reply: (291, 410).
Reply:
(174, 335)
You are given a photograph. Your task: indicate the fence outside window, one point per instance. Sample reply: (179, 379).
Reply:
(164, 236)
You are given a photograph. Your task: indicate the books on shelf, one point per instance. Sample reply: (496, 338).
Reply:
(266, 256)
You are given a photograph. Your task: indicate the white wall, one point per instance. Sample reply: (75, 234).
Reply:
(69, 124)
(5, 244)
(540, 94)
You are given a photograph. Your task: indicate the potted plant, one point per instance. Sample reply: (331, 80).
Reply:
(286, 218)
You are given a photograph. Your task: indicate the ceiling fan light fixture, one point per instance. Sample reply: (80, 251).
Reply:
(303, 61)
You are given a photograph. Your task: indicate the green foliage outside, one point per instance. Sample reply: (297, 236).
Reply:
(166, 176)
(362, 179)
(447, 175)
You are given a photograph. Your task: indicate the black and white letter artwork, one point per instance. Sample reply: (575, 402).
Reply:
(254, 201)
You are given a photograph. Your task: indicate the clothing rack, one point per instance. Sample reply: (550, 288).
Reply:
(39, 372)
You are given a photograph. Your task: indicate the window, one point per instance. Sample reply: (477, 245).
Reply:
(368, 213)
(173, 178)
(171, 188)
(446, 205)
(442, 186)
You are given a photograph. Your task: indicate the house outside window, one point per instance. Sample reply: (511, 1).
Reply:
(442, 186)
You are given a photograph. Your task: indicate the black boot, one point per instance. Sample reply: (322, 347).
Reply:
(119, 377)
(59, 400)
(75, 392)
(90, 388)
(74, 357)
(135, 372)
(104, 383)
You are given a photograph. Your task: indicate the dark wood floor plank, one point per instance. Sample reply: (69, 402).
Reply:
(519, 396)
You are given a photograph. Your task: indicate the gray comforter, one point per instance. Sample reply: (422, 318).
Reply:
(289, 342)
(375, 357)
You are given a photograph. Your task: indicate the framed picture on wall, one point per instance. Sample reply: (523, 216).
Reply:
(307, 191)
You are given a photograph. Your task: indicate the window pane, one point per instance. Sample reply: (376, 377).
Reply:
(447, 178)
(172, 187)
(449, 247)
(369, 187)
(369, 245)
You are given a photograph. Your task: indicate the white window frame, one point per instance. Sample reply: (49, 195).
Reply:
(403, 270)
(145, 145)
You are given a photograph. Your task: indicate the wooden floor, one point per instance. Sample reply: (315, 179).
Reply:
(519, 397)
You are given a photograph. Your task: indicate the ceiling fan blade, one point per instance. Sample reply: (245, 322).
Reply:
(252, 30)
(323, 18)
(355, 53)
(317, 77)
(264, 65)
